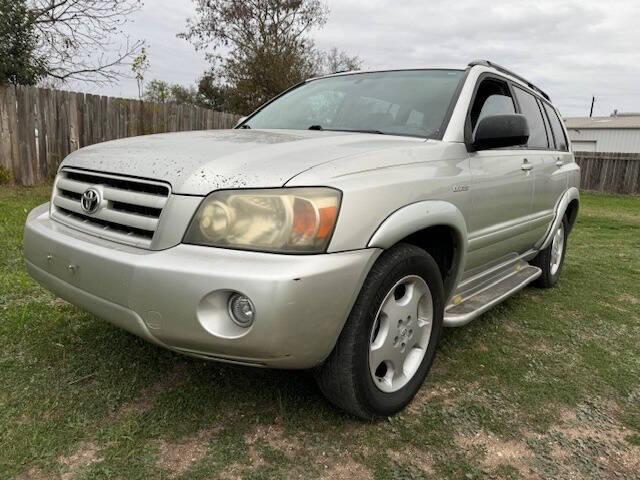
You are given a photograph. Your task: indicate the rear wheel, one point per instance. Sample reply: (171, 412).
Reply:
(389, 341)
(551, 259)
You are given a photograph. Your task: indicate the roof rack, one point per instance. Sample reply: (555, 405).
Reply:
(487, 63)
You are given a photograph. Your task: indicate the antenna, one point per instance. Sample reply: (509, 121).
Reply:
(593, 100)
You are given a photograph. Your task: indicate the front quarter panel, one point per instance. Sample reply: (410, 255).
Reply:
(419, 216)
(416, 217)
(378, 184)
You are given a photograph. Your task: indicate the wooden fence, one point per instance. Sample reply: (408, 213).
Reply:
(39, 127)
(609, 172)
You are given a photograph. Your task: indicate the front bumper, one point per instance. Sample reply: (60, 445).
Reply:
(177, 298)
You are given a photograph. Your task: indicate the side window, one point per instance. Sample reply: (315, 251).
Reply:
(556, 127)
(552, 142)
(492, 98)
(531, 110)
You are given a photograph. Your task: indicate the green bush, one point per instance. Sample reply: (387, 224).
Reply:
(5, 176)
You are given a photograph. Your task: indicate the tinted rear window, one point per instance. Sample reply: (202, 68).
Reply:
(556, 128)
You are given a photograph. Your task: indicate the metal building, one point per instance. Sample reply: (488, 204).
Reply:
(618, 133)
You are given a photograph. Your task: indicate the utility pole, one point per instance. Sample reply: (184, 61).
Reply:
(593, 100)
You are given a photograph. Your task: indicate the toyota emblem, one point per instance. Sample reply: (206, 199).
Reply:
(90, 200)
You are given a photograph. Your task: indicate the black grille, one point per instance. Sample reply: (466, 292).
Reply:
(110, 225)
(118, 183)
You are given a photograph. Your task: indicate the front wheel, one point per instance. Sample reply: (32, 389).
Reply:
(389, 341)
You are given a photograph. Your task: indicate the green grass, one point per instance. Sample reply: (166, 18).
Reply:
(544, 385)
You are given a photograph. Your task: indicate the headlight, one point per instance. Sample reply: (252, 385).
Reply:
(291, 220)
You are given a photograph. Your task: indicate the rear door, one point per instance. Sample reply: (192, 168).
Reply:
(539, 153)
(502, 185)
(558, 160)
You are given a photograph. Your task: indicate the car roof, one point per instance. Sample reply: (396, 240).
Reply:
(492, 66)
(382, 70)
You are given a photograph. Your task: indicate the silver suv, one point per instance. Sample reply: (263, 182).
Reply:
(339, 227)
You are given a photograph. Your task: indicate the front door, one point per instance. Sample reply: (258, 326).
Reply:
(501, 188)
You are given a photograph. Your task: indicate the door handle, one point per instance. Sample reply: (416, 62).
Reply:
(559, 162)
(526, 166)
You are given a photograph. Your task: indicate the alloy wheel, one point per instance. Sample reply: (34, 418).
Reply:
(400, 334)
(557, 249)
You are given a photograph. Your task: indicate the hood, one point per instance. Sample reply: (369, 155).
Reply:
(196, 163)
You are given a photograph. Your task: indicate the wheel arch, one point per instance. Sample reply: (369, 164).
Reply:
(572, 211)
(436, 226)
(569, 204)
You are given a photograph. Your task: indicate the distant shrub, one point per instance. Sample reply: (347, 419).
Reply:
(5, 176)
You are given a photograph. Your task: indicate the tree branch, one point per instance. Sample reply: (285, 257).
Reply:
(76, 37)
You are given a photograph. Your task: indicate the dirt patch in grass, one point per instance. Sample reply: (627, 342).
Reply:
(86, 454)
(614, 306)
(147, 397)
(269, 446)
(33, 474)
(178, 457)
(256, 439)
(411, 455)
(272, 435)
(71, 465)
(432, 393)
(586, 443)
(346, 468)
(233, 472)
(593, 426)
(628, 298)
(497, 452)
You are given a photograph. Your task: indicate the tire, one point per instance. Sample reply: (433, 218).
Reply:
(547, 261)
(348, 377)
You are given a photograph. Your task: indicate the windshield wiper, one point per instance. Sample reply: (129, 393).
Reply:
(319, 127)
(364, 130)
(246, 126)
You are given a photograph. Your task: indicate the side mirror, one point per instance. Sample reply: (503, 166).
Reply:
(497, 131)
(239, 122)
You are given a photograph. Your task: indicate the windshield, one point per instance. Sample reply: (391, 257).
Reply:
(411, 102)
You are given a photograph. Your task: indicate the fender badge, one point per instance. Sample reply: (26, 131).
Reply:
(460, 188)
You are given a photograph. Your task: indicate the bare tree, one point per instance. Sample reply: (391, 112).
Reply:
(337, 61)
(252, 24)
(265, 43)
(84, 40)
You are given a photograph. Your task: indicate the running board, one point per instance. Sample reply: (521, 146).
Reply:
(466, 309)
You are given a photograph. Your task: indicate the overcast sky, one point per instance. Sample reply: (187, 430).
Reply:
(570, 48)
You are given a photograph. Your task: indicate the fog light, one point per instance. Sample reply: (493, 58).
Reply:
(241, 310)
